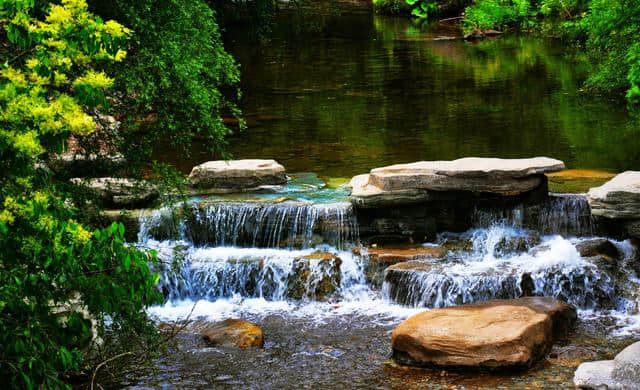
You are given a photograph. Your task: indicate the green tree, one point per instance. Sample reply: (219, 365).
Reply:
(178, 83)
(59, 281)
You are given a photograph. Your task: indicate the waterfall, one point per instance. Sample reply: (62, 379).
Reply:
(565, 214)
(284, 225)
(274, 274)
(500, 266)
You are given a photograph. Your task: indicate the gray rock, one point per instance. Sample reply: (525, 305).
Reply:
(619, 198)
(416, 182)
(623, 372)
(627, 366)
(237, 174)
(120, 192)
(594, 375)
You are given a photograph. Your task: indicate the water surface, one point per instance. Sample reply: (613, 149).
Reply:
(363, 90)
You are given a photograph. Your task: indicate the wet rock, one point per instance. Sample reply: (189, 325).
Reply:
(623, 372)
(120, 192)
(633, 228)
(515, 244)
(492, 335)
(415, 182)
(619, 198)
(315, 276)
(597, 247)
(381, 258)
(527, 285)
(601, 252)
(391, 255)
(233, 333)
(235, 175)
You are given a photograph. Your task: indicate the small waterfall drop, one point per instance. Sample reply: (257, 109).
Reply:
(264, 225)
(505, 263)
(564, 214)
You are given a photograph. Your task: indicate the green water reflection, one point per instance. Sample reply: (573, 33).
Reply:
(369, 91)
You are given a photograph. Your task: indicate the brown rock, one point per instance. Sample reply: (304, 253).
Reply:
(391, 255)
(233, 333)
(304, 283)
(490, 335)
(597, 247)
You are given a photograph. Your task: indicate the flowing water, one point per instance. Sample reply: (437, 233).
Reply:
(358, 92)
(327, 325)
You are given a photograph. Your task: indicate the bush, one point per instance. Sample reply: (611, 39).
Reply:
(499, 15)
(612, 28)
(177, 82)
(59, 281)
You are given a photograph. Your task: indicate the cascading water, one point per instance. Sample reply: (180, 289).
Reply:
(565, 214)
(274, 255)
(284, 225)
(274, 274)
(505, 263)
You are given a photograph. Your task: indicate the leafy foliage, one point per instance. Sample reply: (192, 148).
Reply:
(58, 279)
(612, 28)
(423, 8)
(499, 14)
(391, 7)
(178, 81)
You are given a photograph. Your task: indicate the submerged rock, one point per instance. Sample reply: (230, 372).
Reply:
(491, 335)
(623, 372)
(121, 192)
(235, 175)
(233, 333)
(407, 183)
(619, 198)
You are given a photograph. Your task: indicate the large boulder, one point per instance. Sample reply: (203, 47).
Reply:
(234, 175)
(623, 372)
(416, 182)
(491, 335)
(121, 192)
(619, 198)
(234, 333)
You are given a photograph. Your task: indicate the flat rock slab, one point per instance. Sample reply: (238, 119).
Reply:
(406, 183)
(619, 198)
(391, 255)
(623, 372)
(237, 174)
(496, 334)
(121, 192)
